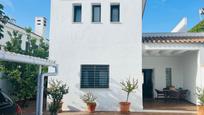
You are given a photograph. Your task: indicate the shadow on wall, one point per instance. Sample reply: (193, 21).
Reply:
(107, 99)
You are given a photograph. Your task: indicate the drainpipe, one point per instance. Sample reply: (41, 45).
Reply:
(40, 89)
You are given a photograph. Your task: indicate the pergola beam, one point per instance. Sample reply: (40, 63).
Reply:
(14, 57)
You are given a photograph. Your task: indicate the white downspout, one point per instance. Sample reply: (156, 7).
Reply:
(40, 89)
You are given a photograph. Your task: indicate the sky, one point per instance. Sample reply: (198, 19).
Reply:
(160, 15)
(163, 15)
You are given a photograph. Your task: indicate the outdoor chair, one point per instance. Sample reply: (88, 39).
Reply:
(183, 94)
(174, 95)
(160, 94)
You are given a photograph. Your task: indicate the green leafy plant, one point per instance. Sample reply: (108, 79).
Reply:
(88, 98)
(129, 86)
(56, 91)
(200, 95)
(53, 108)
(23, 77)
(198, 28)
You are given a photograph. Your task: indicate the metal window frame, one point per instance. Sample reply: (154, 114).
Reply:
(108, 77)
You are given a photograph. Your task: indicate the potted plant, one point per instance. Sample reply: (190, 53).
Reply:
(56, 91)
(128, 86)
(90, 100)
(200, 95)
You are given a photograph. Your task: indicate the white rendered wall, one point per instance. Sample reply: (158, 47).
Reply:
(116, 44)
(191, 74)
(185, 71)
(159, 64)
(201, 79)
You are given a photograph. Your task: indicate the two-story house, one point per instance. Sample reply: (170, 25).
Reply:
(99, 43)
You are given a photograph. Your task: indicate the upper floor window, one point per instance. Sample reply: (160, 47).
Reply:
(96, 13)
(94, 76)
(115, 13)
(77, 13)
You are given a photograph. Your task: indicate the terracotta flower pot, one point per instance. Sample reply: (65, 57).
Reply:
(91, 107)
(125, 107)
(200, 110)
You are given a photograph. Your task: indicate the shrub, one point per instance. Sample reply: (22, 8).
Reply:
(200, 95)
(56, 91)
(88, 98)
(129, 86)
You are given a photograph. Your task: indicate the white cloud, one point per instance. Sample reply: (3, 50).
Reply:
(7, 3)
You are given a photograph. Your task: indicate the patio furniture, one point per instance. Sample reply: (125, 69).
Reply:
(160, 94)
(175, 94)
(183, 94)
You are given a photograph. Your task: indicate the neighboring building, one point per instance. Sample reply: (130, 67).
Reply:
(11, 26)
(97, 44)
(181, 26)
(40, 26)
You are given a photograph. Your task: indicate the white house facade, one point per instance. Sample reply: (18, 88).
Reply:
(99, 43)
(99, 36)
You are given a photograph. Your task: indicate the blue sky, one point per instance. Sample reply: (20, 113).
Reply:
(163, 15)
(160, 15)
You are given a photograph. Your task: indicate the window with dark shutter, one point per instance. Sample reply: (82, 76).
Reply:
(115, 13)
(77, 13)
(96, 13)
(94, 76)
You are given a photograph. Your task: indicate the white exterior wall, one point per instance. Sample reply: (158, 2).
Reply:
(159, 64)
(191, 74)
(115, 44)
(185, 71)
(201, 83)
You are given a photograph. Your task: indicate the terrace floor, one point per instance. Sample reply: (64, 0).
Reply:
(168, 105)
(132, 113)
(150, 108)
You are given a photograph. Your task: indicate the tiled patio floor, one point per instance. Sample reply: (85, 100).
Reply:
(118, 113)
(169, 105)
(151, 108)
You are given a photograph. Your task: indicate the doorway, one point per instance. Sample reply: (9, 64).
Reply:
(148, 84)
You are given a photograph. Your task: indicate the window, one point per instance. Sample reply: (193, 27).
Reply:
(96, 13)
(94, 76)
(77, 13)
(115, 13)
(27, 47)
(168, 77)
